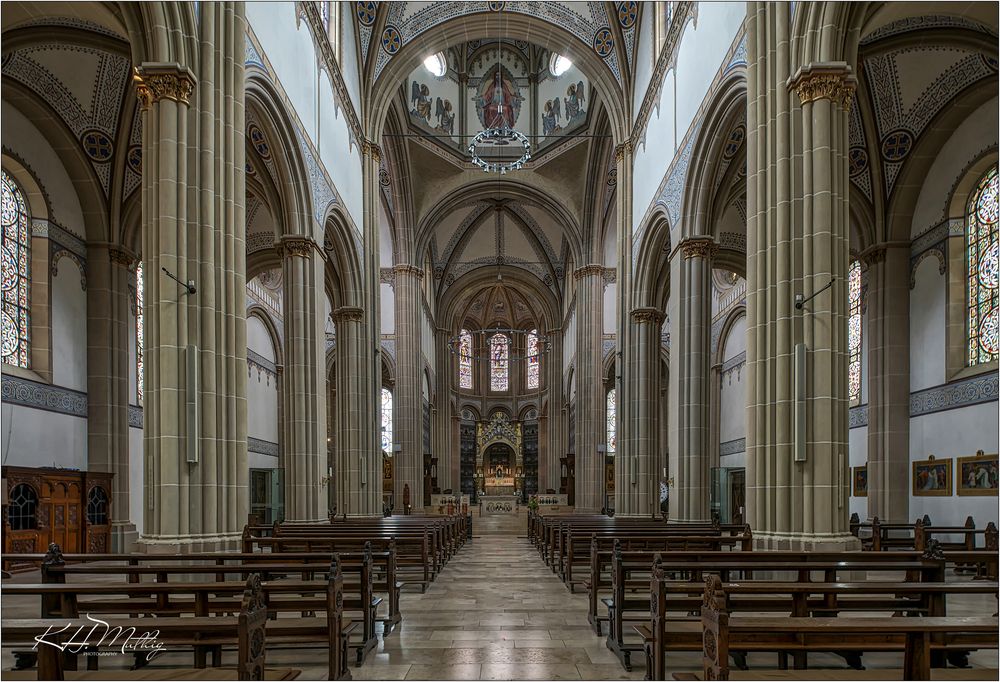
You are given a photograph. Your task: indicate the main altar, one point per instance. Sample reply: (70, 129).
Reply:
(499, 458)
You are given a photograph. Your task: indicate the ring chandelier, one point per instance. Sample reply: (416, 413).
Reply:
(500, 137)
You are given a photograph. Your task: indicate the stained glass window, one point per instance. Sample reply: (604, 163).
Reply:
(16, 263)
(465, 359)
(387, 421)
(854, 332)
(324, 14)
(533, 358)
(499, 362)
(140, 334)
(612, 427)
(983, 267)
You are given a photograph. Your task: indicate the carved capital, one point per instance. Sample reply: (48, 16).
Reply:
(348, 314)
(833, 81)
(296, 246)
(155, 82)
(698, 247)
(622, 150)
(874, 255)
(370, 148)
(588, 271)
(412, 270)
(647, 315)
(121, 256)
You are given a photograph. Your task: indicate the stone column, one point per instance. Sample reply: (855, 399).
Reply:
(407, 419)
(305, 423)
(797, 244)
(590, 423)
(555, 443)
(690, 348)
(455, 437)
(626, 426)
(108, 300)
(888, 378)
(359, 467)
(636, 476)
(193, 224)
(441, 416)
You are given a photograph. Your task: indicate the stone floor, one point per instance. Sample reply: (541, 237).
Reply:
(497, 613)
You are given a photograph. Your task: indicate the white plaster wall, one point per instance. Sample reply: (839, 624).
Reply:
(611, 309)
(427, 337)
(349, 54)
(38, 438)
(262, 386)
(21, 137)
(256, 460)
(703, 47)
(954, 433)
(290, 51)
(69, 328)
(388, 309)
(733, 394)
(644, 57)
(569, 341)
(737, 461)
(384, 237)
(974, 135)
(927, 326)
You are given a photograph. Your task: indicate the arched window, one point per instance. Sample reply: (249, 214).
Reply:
(387, 421)
(499, 362)
(983, 266)
(854, 332)
(16, 268)
(21, 508)
(464, 359)
(97, 506)
(140, 334)
(533, 359)
(612, 427)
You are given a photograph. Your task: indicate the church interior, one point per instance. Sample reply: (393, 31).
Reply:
(500, 340)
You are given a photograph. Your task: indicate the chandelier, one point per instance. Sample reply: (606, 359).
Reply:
(476, 344)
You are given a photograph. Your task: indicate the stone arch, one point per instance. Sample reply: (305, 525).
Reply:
(344, 271)
(273, 331)
(652, 278)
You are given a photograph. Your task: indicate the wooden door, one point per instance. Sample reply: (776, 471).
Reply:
(61, 511)
(97, 515)
(737, 494)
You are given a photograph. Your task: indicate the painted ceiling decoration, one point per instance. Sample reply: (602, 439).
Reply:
(84, 86)
(589, 22)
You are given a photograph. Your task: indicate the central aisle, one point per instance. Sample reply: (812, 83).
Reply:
(496, 612)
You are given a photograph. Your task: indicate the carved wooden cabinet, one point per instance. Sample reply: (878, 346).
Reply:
(71, 508)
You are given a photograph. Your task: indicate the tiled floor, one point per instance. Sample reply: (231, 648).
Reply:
(497, 612)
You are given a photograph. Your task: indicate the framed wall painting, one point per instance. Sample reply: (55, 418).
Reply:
(859, 478)
(932, 477)
(977, 475)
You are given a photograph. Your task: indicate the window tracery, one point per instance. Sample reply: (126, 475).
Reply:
(983, 266)
(534, 361)
(854, 332)
(465, 359)
(612, 428)
(16, 268)
(387, 421)
(499, 362)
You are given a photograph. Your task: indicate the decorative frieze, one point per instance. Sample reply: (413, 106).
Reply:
(121, 256)
(972, 391)
(27, 393)
(155, 82)
(135, 416)
(404, 268)
(833, 81)
(262, 447)
(733, 447)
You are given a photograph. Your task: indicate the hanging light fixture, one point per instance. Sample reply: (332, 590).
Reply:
(498, 134)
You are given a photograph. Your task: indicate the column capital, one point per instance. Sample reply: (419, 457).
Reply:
(155, 81)
(371, 148)
(825, 80)
(648, 314)
(297, 245)
(406, 268)
(588, 271)
(698, 247)
(122, 256)
(624, 149)
(348, 313)
(877, 253)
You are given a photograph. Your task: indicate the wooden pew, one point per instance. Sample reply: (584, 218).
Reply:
(915, 637)
(795, 598)
(207, 598)
(248, 631)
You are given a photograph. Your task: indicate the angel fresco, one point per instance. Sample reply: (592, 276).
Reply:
(445, 116)
(498, 101)
(551, 115)
(575, 99)
(420, 100)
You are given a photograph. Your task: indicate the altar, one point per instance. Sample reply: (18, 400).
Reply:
(500, 486)
(497, 504)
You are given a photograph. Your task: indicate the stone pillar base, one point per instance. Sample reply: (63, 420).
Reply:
(802, 542)
(189, 544)
(124, 537)
(678, 519)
